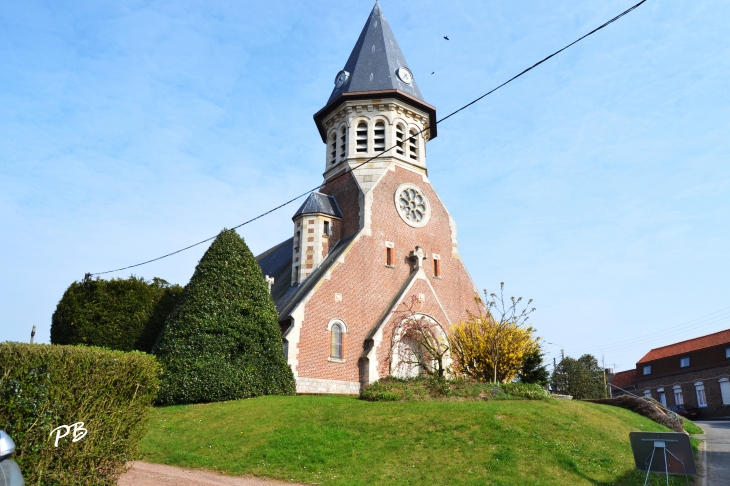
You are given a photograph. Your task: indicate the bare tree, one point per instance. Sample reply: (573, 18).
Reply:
(419, 342)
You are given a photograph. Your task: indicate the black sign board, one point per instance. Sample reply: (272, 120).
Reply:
(663, 452)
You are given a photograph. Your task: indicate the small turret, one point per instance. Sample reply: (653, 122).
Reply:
(316, 225)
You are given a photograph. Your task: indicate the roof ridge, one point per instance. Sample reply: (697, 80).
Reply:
(688, 340)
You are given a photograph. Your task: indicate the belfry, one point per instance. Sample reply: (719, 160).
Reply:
(375, 237)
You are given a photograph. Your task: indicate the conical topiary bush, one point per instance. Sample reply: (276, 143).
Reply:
(222, 341)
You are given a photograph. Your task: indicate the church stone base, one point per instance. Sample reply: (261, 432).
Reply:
(335, 387)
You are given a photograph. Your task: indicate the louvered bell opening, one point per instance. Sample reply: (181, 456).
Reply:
(362, 137)
(333, 148)
(413, 145)
(343, 133)
(379, 137)
(399, 148)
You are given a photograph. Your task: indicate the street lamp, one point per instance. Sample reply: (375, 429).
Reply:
(562, 351)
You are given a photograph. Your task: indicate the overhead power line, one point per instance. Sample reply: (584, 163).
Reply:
(625, 12)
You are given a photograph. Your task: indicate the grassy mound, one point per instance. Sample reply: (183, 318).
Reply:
(341, 440)
(645, 408)
(392, 389)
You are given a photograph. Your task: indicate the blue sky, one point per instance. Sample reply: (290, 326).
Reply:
(598, 184)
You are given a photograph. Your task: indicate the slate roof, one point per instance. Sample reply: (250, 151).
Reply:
(624, 379)
(276, 262)
(374, 60)
(319, 203)
(684, 347)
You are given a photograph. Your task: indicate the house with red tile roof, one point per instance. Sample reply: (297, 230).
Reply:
(695, 372)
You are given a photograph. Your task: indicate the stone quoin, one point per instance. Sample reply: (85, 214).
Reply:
(375, 239)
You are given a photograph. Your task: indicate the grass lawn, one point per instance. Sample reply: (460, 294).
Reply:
(340, 440)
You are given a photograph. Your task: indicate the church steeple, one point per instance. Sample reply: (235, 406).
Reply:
(376, 62)
(376, 70)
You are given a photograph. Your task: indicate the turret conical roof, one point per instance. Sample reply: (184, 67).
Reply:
(376, 61)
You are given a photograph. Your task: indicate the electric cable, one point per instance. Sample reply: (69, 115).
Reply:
(625, 12)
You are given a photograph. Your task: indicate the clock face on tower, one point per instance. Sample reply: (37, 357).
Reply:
(341, 78)
(404, 74)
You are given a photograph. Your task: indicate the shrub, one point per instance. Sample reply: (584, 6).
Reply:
(222, 341)
(122, 314)
(645, 408)
(45, 386)
(391, 389)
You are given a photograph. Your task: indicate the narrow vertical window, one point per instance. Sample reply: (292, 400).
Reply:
(343, 136)
(437, 268)
(663, 398)
(362, 137)
(297, 241)
(333, 148)
(701, 397)
(379, 137)
(336, 341)
(725, 390)
(413, 145)
(399, 146)
(678, 397)
(296, 275)
(327, 228)
(389, 257)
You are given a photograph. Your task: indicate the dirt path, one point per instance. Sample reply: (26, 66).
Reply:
(146, 474)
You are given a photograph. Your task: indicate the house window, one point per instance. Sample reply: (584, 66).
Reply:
(678, 397)
(662, 396)
(647, 369)
(647, 393)
(399, 147)
(362, 137)
(327, 228)
(379, 137)
(725, 390)
(727, 353)
(336, 341)
(684, 362)
(437, 268)
(343, 136)
(389, 257)
(333, 148)
(296, 275)
(413, 145)
(701, 397)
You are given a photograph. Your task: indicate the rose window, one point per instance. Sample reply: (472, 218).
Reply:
(412, 205)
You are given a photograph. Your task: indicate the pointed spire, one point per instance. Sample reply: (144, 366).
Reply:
(376, 62)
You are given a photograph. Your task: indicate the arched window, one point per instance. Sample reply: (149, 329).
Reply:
(362, 137)
(333, 148)
(343, 135)
(336, 341)
(379, 137)
(399, 131)
(413, 145)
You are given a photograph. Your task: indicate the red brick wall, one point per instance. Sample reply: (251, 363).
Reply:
(702, 358)
(368, 286)
(708, 376)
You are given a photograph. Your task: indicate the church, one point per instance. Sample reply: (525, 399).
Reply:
(375, 238)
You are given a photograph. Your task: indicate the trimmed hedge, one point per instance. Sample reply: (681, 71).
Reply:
(391, 389)
(45, 386)
(646, 408)
(123, 314)
(222, 341)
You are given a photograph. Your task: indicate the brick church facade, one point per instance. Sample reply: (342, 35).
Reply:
(375, 239)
